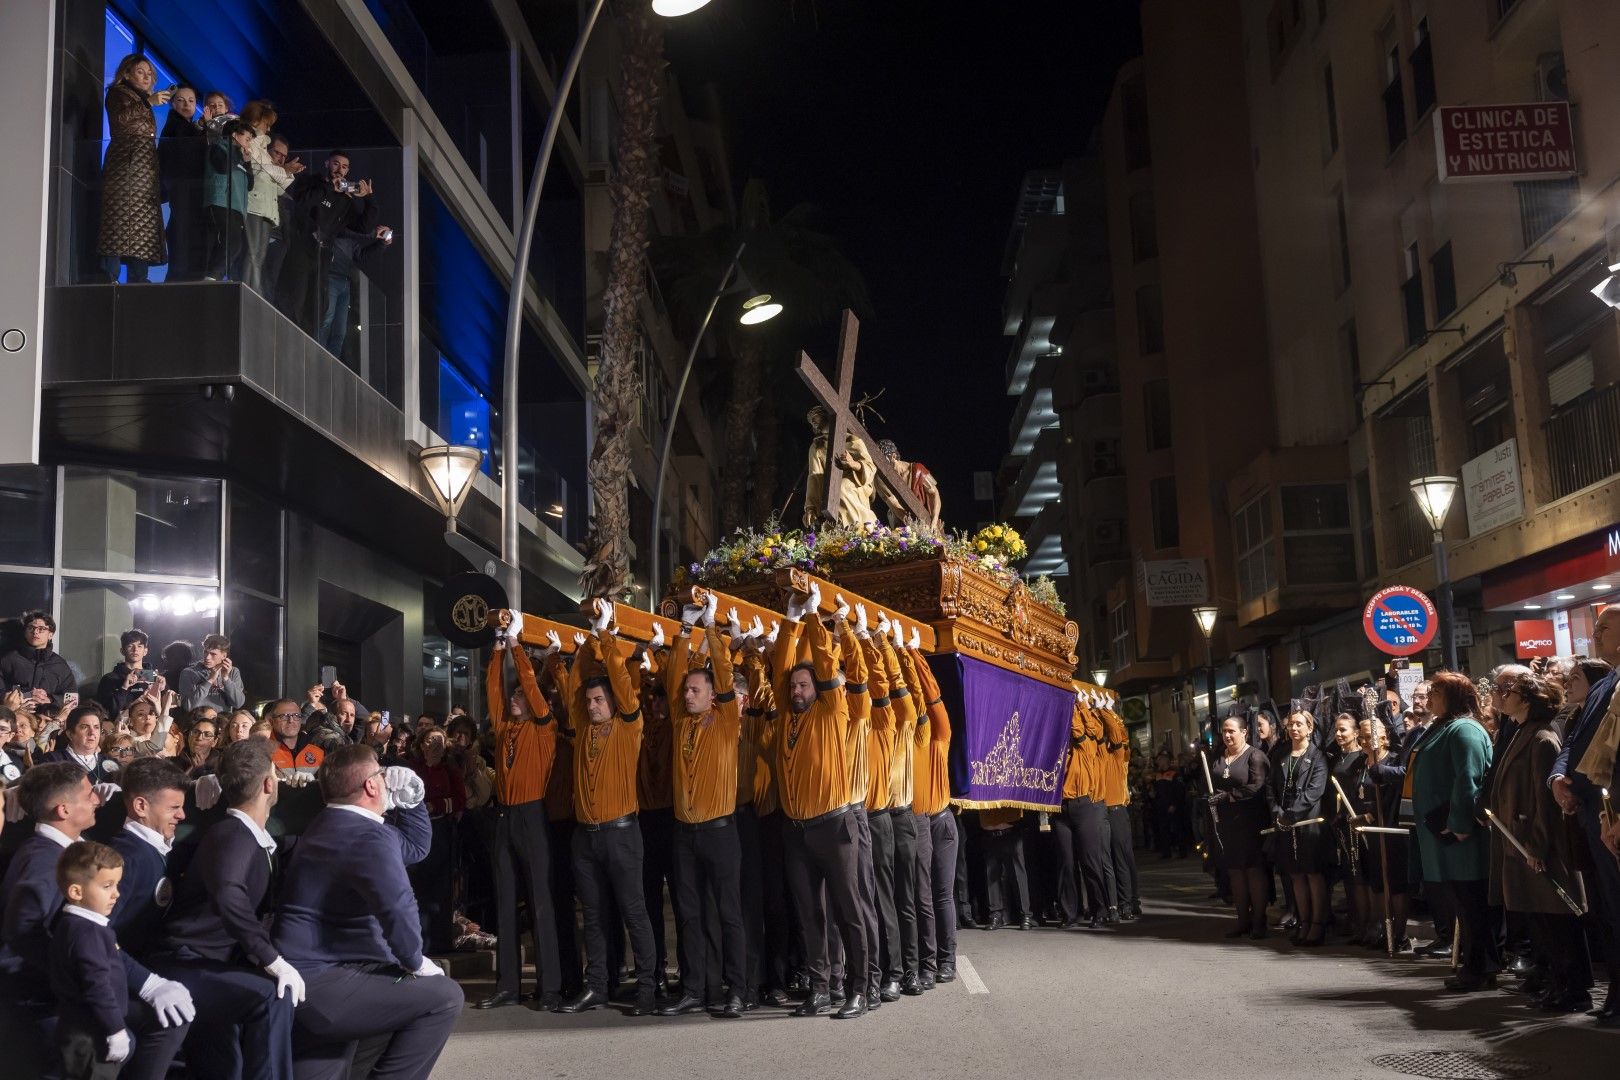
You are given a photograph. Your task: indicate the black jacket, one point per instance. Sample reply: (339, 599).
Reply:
(111, 693)
(38, 669)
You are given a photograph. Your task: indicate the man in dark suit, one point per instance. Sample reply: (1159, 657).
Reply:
(215, 941)
(59, 798)
(82, 746)
(346, 919)
(1578, 795)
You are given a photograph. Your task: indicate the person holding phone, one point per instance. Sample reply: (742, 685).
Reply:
(132, 678)
(36, 670)
(213, 680)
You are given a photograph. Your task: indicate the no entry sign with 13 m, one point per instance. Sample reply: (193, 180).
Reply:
(1400, 621)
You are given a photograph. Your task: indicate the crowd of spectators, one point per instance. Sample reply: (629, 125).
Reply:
(241, 206)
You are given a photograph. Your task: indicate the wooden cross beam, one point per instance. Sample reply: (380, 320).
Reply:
(844, 422)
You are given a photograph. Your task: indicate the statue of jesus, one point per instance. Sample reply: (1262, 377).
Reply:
(857, 485)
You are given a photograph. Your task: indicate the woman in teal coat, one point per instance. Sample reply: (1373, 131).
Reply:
(1453, 848)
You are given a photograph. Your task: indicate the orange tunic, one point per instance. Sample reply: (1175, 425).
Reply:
(1116, 762)
(858, 695)
(933, 743)
(655, 781)
(1083, 781)
(908, 715)
(525, 750)
(812, 760)
(880, 734)
(759, 738)
(706, 745)
(605, 754)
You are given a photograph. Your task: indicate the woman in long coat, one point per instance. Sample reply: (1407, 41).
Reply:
(131, 196)
(1524, 805)
(1448, 774)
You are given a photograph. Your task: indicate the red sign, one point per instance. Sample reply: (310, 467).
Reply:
(1533, 637)
(1533, 141)
(1576, 563)
(1400, 621)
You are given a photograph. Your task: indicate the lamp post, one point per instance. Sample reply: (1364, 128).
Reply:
(1099, 676)
(1434, 496)
(1206, 617)
(520, 273)
(450, 470)
(758, 308)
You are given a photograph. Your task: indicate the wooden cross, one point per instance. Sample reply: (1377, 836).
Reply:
(844, 423)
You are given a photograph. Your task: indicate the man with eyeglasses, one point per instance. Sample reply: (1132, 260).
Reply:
(12, 763)
(36, 669)
(297, 754)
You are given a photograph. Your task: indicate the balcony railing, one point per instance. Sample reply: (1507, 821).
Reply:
(1583, 441)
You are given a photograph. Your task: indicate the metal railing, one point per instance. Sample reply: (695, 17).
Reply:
(1583, 441)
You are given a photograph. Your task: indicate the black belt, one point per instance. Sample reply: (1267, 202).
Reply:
(501, 808)
(936, 817)
(616, 823)
(698, 826)
(886, 810)
(805, 823)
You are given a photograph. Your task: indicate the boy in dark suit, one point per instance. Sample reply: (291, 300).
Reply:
(87, 974)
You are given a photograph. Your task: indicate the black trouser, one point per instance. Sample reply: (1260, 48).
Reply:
(904, 823)
(969, 871)
(186, 229)
(563, 899)
(433, 881)
(348, 1003)
(227, 245)
(1442, 910)
(825, 854)
(522, 858)
(1004, 860)
(1088, 824)
(708, 860)
(237, 1011)
(1560, 947)
(1123, 849)
(936, 881)
(1604, 881)
(658, 867)
(779, 937)
(869, 907)
(882, 825)
(607, 863)
(1068, 880)
(301, 286)
(475, 872)
(753, 899)
(1478, 953)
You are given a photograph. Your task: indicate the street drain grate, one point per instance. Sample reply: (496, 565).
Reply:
(1459, 1065)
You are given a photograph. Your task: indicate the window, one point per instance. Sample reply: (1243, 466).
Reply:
(1445, 283)
(1543, 204)
(1251, 535)
(1417, 326)
(94, 613)
(1367, 546)
(253, 553)
(1144, 228)
(1150, 319)
(1119, 625)
(1319, 546)
(1332, 111)
(464, 413)
(1156, 414)
(1166, 514)
(1394, 100)
(121, 523)
(1422, 61)
(27, 515)
(256, 627)
(1341, 241)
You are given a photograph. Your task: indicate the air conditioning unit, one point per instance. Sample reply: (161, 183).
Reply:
(1552, 82)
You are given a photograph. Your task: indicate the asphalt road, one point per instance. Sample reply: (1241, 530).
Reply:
(1166, 996)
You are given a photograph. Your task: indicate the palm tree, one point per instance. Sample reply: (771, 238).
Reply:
(615, 397)
(799, 266)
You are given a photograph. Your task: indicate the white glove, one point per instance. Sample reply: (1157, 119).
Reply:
(899, 636)
(169, 999)
(735, 622)
(106, 791)
(861, 630)
(646, 661)
(795, 608)
(757, 630)
(14, 807)
(916, 638)
(553, 643)
(776, 628)
(883, 622)
(690, 614)
(118, 1045)
(842, 606)
(515, 631)
(710, 608)
(657, 641)
(814, 603)
(288, 982)
(579, 641)
(404, 786)
(428, 968)
(207, 791)
(604, 616)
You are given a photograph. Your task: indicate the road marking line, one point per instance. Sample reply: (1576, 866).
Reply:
(970, 977)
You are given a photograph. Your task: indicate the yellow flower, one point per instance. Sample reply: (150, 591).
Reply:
(982, 546)
(996, 530)
(766, 552)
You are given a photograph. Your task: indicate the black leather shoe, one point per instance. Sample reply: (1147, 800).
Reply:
(1259, 933)
(947, 973)
(646, 1005)
(996, 922)
(911, 986)
(585, 1002)
(750, 1001)
(1027, 924)
(1112, 918)
(926, 980)
(873, 1003)
(777, 998)
(732, 1009)
(500, 999)
(836, 999)
(1466, 983)
(551, 1002)
(689, 1003)
(1239, 932)
(815, 1005)
(853, 1008)
(890, 991)
(964, 921)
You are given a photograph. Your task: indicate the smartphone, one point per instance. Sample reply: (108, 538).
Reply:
(384, 715)
(70, 699)
(328, 676)
(148, 674)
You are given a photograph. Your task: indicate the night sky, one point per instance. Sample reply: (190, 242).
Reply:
(909, 127)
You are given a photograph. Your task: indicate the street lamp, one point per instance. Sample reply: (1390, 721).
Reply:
(515, 296)
(758, 308)
(450, 470)
(1206, 617)
(1099, 676)
(1435, 495)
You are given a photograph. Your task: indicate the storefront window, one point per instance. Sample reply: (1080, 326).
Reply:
(94, 613)
(27, 515)
(118, 522)
(20, 593)
(256, 539)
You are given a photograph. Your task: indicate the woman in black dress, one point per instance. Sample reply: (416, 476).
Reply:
(1239, 776)
(1297, 793)
(1383, 856)
(1346, 769)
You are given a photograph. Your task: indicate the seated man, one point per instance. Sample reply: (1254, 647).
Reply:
(346, 919)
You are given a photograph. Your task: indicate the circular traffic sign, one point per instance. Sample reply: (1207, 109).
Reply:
(1400, 621)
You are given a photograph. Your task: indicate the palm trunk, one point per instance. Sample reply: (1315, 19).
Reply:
(741, 413)
(634, 183)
